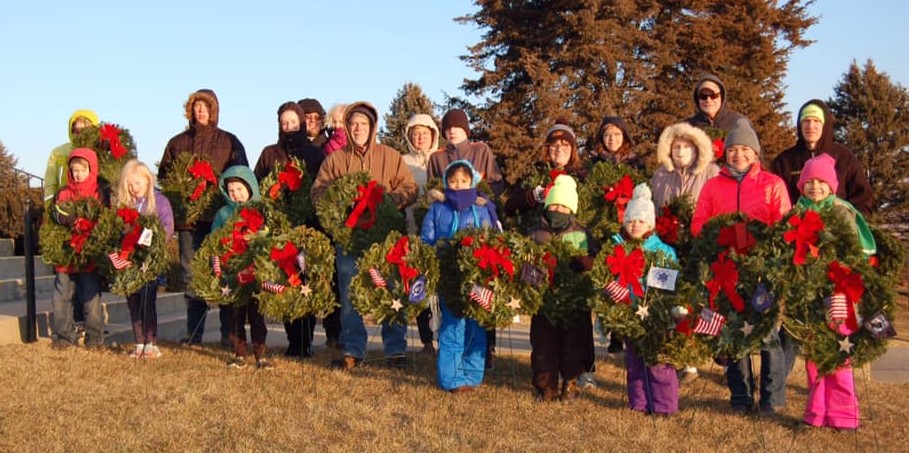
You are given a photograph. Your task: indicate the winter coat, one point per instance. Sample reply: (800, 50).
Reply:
(651, 243)
(337, 141)
(290, 144)
(383, 163)
(163, 211)
(56, 171)
(230, 207)
(443, 220)
(418, 160)
(669, 182)
(760, 195)
(575, 234)
(78, 190)
(853, 217)
(853, 185)
(477, 153)
(626, 156)
(725, 118)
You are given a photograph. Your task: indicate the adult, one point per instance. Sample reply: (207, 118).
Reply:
(685, 158)
(815, 136)
(55, 174)
(711, 108)
(313, 114)
(202, 137)
(293, 142)
(614, 144)
(385, 165)
(456, 129)
(422, 137)
(742, 186)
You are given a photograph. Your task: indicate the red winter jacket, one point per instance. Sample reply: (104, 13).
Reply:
(760, 195)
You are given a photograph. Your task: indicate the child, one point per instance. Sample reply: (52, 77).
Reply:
(238, 186)
(462, 342)
(136, 189)
(651, 389)
(335, 123)
(562, 351)
(82, 182)
(831, 398)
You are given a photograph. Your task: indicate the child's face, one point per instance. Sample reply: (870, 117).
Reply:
(337, 119)
(459, 180)
(138, 185)
(682, 152)
(637, 228)
(815, 190)
(455, 134)
(79, 171)
(237, 192)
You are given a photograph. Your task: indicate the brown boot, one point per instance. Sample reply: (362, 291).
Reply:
(346, 363)
(547, 396)
(570, 390)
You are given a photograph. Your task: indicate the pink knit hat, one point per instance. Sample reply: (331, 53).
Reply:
(821, 167)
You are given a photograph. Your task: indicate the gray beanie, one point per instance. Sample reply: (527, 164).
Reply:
(742, 135)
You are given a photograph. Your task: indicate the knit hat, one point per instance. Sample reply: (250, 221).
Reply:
(822, 167)
(456, 118)
(742, 135)
(812, 111)
(564, 191)
(641, 206)
(562, 131)
(310, 105)
(361, 108)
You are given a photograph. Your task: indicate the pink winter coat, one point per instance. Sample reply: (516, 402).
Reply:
(760, 195)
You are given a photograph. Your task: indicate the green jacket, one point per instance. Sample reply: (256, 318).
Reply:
(852, 215)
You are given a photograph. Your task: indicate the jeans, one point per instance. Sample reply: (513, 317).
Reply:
(196, 309)
(88, 285)
(353, 331)
(777, 358)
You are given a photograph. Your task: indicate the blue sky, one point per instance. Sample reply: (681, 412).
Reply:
(135, 62)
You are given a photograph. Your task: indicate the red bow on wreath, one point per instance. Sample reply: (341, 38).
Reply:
(82, 230)
(620, 194)
(236, 244)
(287, 260)
(667, 226)
(725, 277)
(490, 259)
(111, 133)
(396, 256)
(368, 199)
(627, 269)
(738, 237)
(804, 234)
(251, 221)
(203, 170)
(130, 217)
(849, 283)
(718, 144)
(290, 177)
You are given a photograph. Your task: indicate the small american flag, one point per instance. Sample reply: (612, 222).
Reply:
(618, 293)
(273, 287)
(836, 307)
(709, 322)
(482, 296)
(377, 278)
(119, 263)
(216, 265)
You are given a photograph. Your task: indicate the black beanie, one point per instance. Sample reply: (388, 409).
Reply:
(310, 105)
(456, 118)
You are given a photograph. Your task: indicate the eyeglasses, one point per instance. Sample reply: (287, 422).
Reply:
(706, 96)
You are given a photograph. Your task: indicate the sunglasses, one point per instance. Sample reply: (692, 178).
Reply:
(706, 96)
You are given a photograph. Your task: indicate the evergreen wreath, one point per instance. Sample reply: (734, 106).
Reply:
(288, 188)
(641, 315)
(295, 271)
(136, 252)
(78, 245)
(395, 278)
(191, 186)
(817, 255)
(731, 265)
(356, 212)
(113, 145)
(492, 276)
(890, 259)
(604, 195)
(567, 295)
(542, 176)
(673, 224)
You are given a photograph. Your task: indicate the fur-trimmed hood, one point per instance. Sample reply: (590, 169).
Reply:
(210, 99)
(697, 136)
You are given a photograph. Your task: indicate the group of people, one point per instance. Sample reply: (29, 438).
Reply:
(816, 173)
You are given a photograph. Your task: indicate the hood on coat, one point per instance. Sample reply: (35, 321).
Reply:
(90, 115)
(697, 87)
(618, 122)
(87, 187)
(373, 126)
(696, 135)
(244, 173)
(210, 99)
(474, 180)
(422, 119)
(826, 132)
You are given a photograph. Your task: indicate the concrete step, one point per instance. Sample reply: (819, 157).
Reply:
(14, 267)
(13, 289)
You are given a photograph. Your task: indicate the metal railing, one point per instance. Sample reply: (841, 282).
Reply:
(29, 178)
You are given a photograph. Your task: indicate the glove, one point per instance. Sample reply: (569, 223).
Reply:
(435, 195)
(580, 264)
(63, 218)
(539, 194)
(481, 201)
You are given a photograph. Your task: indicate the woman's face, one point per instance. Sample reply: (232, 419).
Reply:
(421, 138)
(559, 153)
(289, 121)
(682, 152)
(612, 138)
(740, 158)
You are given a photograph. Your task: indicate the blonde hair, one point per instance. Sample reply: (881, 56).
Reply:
(336, 110)
(122, 197)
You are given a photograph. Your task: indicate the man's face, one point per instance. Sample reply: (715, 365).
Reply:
(709, 99)
(201, 113)
(358, 124)
(313, 123)
(812, 129)
(289, 121)
(80, 123)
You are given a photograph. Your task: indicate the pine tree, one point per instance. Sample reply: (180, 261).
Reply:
(410, 100)
(14, 189)
(544, 59)
(872, 116)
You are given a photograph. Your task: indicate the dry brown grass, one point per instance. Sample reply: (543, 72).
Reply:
(77, 400)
